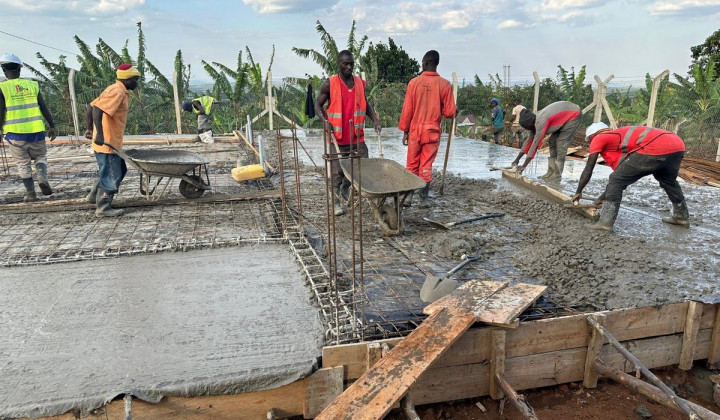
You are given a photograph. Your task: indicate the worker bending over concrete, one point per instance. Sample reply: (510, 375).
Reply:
(22, 109)
(203, 106)
(560, 120)
(346, 98)
(634, 152)
(428, 99)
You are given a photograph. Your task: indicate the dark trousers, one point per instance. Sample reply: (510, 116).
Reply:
(338, 178)
(664, 168)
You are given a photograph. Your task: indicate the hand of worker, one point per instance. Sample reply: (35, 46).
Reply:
(405, 139)
(598, 202)
(99, 139)
(378, 127)
(52, 133)
(88, 134)
(576, 199)
(519, 170)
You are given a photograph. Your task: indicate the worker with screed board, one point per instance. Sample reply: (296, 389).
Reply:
(22, 109)
(347, 100)
(428, 99)
(560, 120)
(634, 152)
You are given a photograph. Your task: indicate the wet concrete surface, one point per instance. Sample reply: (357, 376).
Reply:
(75, 335)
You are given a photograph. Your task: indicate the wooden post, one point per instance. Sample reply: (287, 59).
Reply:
(601, 102)
(451, 133)
(270, 105)
(692, 324)
(324, 386)
(653, 393)
(595, 344)
(653, 97)
(536, 97)
(408, 408)
(73, 102)
(520, 403)
(373, 355)
(497, 362)
(176, 95)
(717, 155)
(714, 353)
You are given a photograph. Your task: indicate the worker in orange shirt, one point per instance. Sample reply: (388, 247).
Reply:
(428, 99)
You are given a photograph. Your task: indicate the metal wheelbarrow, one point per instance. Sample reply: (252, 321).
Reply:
(190, 167)
(381, 180)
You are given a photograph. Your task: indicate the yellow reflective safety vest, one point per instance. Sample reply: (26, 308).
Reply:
(22, 113)
(206, 102)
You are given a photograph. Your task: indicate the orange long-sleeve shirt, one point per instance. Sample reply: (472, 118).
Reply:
(428, 99)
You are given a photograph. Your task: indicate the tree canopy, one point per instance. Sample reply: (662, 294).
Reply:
(392, 63)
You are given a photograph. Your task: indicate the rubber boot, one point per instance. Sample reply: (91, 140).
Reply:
(551, 169)
(92, 195)
(680, 217)
(558, 166)
(608, 215)
(104, 205)
(424, 192)
(408, 200)
(30, 190)
(338, 207)
(41, 169)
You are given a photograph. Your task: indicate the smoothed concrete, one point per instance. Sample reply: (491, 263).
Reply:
(75, 335)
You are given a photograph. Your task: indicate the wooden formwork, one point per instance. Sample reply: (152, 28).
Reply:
(535, 354)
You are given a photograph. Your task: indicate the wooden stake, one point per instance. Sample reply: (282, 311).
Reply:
(714, 353)
(595, 344)
(374, 353)
(451, 133)
(518, 400)
(497, 362)
(692, 325)
(655, 394)
(408, 408)
(679, 402)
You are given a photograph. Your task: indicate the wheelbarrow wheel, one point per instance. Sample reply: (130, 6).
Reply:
(190, 191)
(389, 216)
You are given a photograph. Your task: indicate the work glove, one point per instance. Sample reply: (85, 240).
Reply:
(52, 133)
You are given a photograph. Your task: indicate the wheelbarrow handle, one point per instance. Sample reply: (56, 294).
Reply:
(118, 151)
(463, 264)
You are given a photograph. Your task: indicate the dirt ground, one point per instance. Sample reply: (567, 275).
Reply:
(609, 400)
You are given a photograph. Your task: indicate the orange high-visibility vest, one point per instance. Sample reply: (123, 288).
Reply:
(334, 110)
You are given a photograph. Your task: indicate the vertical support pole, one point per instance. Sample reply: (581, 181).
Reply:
(536, 98)
(717, 155)
(176, 95)
(653, 97)
(497, 363)
(373, 355)
(599, 94)
(73, 102)
(692, 325)
(248, 130)
(270, 104)
(595, 344)
(713, 359)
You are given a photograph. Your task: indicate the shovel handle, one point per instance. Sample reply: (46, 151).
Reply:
(474, 219)
(463, 264)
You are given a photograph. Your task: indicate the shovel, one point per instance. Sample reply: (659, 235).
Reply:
(447, 226)
(436, 287)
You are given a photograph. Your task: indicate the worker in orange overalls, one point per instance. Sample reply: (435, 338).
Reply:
(428, 99)
(348, 101)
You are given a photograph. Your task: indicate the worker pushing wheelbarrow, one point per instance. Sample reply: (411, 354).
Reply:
(190, 167)
(384, 183)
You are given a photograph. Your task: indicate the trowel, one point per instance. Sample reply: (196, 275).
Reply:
(436, 287)
(460, 222)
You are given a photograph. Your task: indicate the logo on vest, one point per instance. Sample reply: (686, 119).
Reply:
(20, 89)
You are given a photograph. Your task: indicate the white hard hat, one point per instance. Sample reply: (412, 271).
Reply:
(8, 58)
(594, 128)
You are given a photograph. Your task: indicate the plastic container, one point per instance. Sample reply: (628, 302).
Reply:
(246, 173)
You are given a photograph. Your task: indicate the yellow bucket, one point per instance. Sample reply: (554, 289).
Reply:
(246, 173)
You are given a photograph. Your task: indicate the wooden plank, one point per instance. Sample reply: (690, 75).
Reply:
(466, 297)
(324, 386)
(497, 363)
(713, 358)
(692, 325)
(374, 354)
(352, 357)
(373, 394)
(548, 193)
(503, 307)
(590, 377)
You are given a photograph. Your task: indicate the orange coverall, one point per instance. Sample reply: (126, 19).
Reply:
(428, 99)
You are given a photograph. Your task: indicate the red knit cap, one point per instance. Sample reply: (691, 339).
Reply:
(126, 71)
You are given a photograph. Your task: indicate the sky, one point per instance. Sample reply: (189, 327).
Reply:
(626, 38)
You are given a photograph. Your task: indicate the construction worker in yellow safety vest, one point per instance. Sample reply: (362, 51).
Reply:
(22, 109)
(203, 106)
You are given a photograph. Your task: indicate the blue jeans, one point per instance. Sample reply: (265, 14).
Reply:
(111, 171)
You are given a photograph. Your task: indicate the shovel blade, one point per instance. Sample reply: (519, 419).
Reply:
(436, 287)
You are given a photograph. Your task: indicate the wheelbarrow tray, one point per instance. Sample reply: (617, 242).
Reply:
(166, 162)
(381, 177)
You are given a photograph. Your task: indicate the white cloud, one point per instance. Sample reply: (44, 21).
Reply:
(288, 6)
(571, 4)
(512, 24)
(84, 7)
(410, 16)
(684, 7)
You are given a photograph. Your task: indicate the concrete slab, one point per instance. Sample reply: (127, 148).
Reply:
(75, 335)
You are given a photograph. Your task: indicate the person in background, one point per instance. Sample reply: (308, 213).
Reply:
(22, 109)
(516, 130)
(498, 124)
(634, 152)
(428, 99)
(203, 106)
(109, 112)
